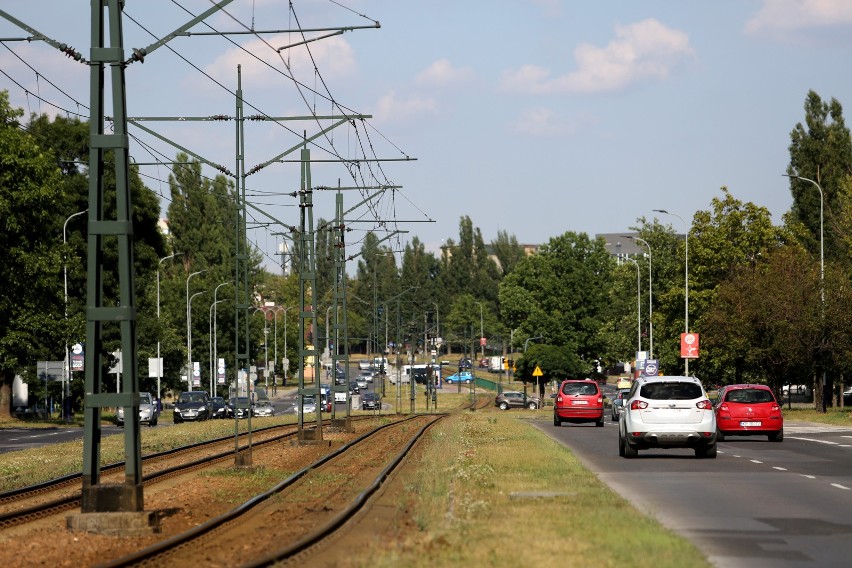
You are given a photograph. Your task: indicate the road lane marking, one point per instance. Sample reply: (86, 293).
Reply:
(779, 468)
(840, 486)
(829, 442)
(755, 461)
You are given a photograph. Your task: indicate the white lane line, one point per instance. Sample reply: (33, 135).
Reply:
(829, 442)
(755, 461)
(840, 486)
(779, 468)
(806, 476)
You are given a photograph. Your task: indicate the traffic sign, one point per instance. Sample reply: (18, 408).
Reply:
(651, 367)
(689, 345)
(482, 341)
(537, 372)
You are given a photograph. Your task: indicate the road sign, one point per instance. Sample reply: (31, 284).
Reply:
(482, 341)
(537, 372)
(689, 345)
(651, 367)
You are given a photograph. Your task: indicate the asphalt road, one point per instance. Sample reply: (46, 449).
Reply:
(757, 505)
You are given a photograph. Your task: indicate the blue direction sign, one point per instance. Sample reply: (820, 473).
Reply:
(651, 367)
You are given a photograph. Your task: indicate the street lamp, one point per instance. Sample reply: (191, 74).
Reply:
(685, 281)
(481, 332)
(638, 307)
(210, 341)
(159, 360)
(189, 343)
(66, 369)
(650, 297)
(275, 341)
(189, 331)
(265, 344)
(437, 328)
(530, 339)
(821, 265)
(214, 355)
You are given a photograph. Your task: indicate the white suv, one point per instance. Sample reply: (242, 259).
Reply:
(667, 412)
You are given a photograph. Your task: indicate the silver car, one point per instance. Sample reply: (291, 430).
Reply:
(667, 412)
(148, 411)
(618, 403)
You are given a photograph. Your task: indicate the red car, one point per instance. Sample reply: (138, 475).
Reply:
(579, 401)
(748, 410)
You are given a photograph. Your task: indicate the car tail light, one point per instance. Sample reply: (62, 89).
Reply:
(600, 400)
(704, 405)
(638, 405)
(559, 399)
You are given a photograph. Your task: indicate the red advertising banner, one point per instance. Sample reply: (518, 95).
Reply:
(689, 345)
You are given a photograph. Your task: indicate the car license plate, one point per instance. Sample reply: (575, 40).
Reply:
(747, 424)
(581, 402)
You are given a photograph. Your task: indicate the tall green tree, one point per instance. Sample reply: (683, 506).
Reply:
(820, 150)
(507, 250)
(560, 294)
(31, 298)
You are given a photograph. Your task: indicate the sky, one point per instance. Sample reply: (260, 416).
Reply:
(533, 117)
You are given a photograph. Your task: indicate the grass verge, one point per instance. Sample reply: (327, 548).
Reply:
(491, 490)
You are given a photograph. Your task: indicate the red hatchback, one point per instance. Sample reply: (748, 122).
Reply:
(748, 410)
(578, 401)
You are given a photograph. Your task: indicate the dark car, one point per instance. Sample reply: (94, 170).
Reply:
(354, 388)
(239, 406)
(464, 364)
(371, 401)
(514, 399)
(219, 408)
(192, 405)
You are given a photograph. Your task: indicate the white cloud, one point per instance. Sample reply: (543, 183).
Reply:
(334, 58)
(391, 109)
(543, 121)
(641, 51)
(442, 74)
(776, 16)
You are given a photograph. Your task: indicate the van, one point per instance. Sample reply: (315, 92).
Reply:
(495, 364)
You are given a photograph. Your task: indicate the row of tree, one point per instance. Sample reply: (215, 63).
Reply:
(768, 306)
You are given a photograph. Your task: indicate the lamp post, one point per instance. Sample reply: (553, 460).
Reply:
(214, 356)
(437, 328)
(189, 342)
(275, 342)
(189, 330)
(66, 367)
(210, 341)
(481, 333)
(650, 297)
(159, 360)
(265, 345)
(638, 307)
(821, 265)
(685, 280)
(530, 339)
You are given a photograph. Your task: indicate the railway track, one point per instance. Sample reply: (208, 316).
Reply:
(299, 513)
(27, 504)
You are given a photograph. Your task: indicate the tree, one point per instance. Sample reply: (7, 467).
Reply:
(820, 150)
(31, 297)
(507, 250)
(560, 293)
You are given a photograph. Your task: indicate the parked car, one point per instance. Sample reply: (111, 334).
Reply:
(618, 403)
(847, 396)
(219, 407)
(748, 410)
(800, 389)
(263, 408)
(192, 405)
(239, 406)
(148, 411)
(371, 401)
(578, 400)
(667, 412)
(514, 399)
(460, 377)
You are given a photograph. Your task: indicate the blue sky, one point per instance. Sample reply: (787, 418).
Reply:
(534, 117)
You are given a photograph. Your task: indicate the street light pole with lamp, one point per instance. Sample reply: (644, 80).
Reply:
(275, 343)
(159, 359)
(638, 306)
(685, 280)
(189, 342)
(66, 368)
(214, 356)
(821, 265)
(650, 297)
(189, 330)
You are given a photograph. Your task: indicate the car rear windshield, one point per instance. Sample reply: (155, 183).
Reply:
(749, 396)
(671, 391)
(580, 388)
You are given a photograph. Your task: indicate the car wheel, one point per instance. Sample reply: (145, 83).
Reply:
(777, 436)
(600, 422)
(532, 406)
(720, 437)
(504, 406)
(614, 418)
(706, 452)
(620, 446)
(556, 420)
